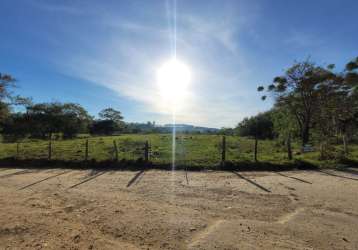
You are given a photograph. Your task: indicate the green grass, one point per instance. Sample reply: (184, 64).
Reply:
(191, 150)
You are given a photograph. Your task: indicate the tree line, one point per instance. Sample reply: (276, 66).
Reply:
(21, 118)
(312, 103)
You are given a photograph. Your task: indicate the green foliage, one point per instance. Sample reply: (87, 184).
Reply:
(317, 101)
(283, 123)
(352, 65)
(111, 122)
(260, 88)
(260, 125)
(226, 131)
(45, 119)
(111, 114)
(191, 150)
(312, 96)
(104, 127)
(6, 83)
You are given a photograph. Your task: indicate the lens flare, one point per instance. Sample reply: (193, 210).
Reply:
(173, 80)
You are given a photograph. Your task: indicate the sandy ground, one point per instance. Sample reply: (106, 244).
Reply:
(73, 209)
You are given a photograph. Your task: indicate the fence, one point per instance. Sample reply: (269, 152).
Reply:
(208, 150)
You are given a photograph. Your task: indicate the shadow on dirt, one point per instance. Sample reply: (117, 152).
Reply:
(349, 171)
(294, 178)
(139, 174)
(20, 172)
(252, 182)
(336, 175)
(140, 164)
(93, 176)
(45, 179)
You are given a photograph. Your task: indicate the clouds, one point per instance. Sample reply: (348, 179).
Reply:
(115, 47)
(300, 39)
(127, 63)
(211, 30)
(123, 53)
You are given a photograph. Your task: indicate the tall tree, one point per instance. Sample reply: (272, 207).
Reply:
(347, 108)
(337, 106)
(6, 83)
(111, 114)
(297, 90)
(259, 126)
(48, 118)
(285, 126)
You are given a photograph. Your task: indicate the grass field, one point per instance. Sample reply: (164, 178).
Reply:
(191, 150)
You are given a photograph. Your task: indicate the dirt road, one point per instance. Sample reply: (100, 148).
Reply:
(74, 209)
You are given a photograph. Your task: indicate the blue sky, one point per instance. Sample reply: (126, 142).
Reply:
(106, 53)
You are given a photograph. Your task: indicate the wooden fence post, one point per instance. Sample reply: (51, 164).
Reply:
(18, 150)
(146, 151)
(223, 152)
(345, 147)
(289, 149)
(115, 149)
(255, 150)
(49, 149)
(86, 150)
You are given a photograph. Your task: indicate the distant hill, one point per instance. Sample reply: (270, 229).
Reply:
(151, 127)
(190, 128)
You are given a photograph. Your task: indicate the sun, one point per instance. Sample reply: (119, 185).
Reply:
(173, 79)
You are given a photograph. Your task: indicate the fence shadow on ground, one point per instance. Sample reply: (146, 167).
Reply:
(252, 182)
(294, 178)
(139, 174)
(140, 164)
(336, 175)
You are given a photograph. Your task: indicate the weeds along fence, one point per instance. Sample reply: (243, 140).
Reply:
(204, 150)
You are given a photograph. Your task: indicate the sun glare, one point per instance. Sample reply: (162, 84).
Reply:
(173, 80)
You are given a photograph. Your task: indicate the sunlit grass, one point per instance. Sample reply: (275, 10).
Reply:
(192, 150)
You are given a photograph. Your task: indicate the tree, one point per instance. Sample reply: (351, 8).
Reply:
(337, 104)
(284, 126)
(348, 115)
(42, 120)
(15, 127)
(104, 127)
(111, 114)
(323, 103)
(6, 83)
(45, 119)
(343, 106)
(226, 131)
(259, 126)
(76, 120)
(297, 91)
(111, 122)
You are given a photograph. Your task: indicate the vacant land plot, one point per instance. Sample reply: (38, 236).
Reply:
(152, 209)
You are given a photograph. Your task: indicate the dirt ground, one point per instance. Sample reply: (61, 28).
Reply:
(84, 209)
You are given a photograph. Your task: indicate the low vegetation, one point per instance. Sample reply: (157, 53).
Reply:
(201, 151)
